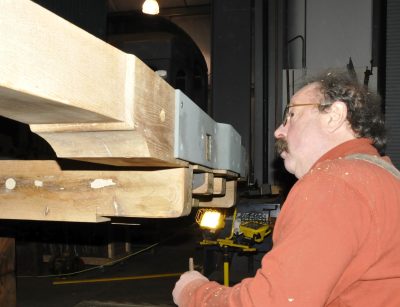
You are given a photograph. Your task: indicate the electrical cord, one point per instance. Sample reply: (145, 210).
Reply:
(110, 263)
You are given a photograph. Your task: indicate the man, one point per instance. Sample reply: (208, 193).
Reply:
(337, 239)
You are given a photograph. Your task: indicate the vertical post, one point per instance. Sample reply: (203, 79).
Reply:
(8, 295)
(191, 264)
(226, 266)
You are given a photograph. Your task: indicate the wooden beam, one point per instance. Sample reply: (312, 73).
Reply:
(147, 135)
(203, 183)
(226, 201)
(55, 72)
(92, 102)
(119, 148)
(40, 190)
(219, 186)
(74, 89)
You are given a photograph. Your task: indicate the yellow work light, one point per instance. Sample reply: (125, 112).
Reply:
(210, 219)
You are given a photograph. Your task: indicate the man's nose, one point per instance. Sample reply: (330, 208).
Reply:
(280, 132)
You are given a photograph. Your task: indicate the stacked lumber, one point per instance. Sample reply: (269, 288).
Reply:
(92, 102)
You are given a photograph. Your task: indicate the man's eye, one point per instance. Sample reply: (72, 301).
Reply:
(291, 114)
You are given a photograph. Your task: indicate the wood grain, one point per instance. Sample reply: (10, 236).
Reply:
(228, 200)
(86, 98)
(54, 72)
(39, 190)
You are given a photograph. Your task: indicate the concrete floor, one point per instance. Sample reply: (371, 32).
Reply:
(168, 257)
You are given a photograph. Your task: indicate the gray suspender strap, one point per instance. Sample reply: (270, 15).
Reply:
(377, 161)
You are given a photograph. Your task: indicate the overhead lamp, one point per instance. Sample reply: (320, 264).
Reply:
(150, 7)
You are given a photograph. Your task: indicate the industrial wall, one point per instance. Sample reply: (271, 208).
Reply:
(333, 32)
(325, 34)
(392, 76)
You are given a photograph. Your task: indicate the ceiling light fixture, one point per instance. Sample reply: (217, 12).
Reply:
(150, 7)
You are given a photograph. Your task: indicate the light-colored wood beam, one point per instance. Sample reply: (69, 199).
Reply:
(39, 190)
(54, 72)
(75, 90)
(228, 200)
(219, 186)
(203, 183)
(92, 102)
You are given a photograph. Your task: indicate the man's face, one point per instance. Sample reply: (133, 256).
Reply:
(301, 141)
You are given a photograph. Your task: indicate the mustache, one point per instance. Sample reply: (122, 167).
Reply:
(281, 145)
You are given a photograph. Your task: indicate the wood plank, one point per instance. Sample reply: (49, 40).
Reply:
(219, 186)
(39, 190)
(152, 140)
(7, 272)
(226, 201)
(120, 148)
(151, 136)
(201, 169)
(54, 72)
(93, 102)
(225, 173)
(60, 79)
(203, 183)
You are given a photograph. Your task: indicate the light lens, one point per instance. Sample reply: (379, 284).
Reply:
(150, 7)
(210, 219)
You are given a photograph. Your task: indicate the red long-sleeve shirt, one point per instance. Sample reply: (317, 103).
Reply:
(336, 241)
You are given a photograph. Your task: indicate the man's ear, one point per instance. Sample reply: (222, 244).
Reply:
(336, 116)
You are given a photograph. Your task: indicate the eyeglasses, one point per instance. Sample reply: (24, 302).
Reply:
(286, 113)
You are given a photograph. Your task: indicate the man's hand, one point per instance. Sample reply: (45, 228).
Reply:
(185, 286)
